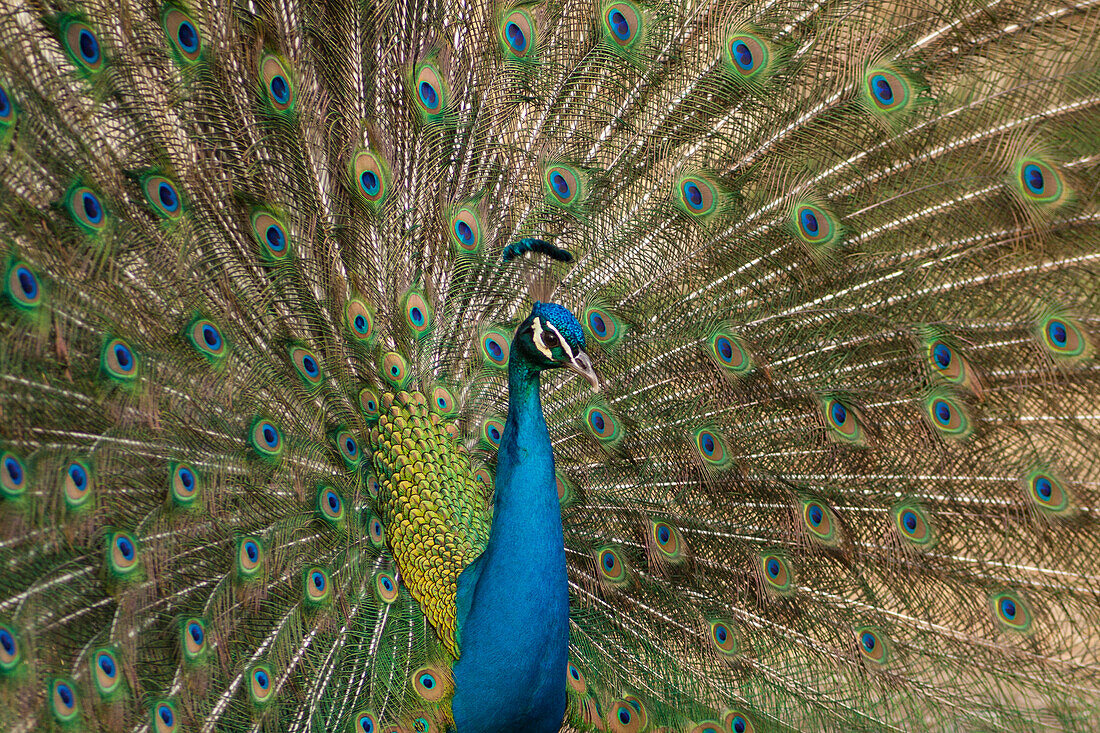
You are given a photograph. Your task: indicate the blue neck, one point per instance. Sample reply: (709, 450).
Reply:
(514, 601)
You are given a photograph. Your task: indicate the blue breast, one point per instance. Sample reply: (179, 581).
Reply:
(513, 602)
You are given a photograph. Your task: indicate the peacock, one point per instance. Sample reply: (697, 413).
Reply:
(637, 366)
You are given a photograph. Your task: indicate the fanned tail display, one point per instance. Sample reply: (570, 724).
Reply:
(280, 278)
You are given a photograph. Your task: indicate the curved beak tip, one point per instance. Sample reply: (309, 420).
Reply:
(582, 365)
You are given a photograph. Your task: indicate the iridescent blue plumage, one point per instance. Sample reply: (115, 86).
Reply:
(513, 601)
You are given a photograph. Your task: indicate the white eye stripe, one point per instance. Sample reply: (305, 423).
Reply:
(540, 344)
(536, 325)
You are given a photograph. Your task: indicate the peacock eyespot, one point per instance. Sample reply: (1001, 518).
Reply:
(612, 567)
(887, 90)
(22, 287)
(63, 701)
(1039, 182)
(697, 196)
(271, 235)
(83, 45)
(602, 425)
(622, 23)
(260, 683)
(562, 184)
(366, 722)
(86, 209)
(266, 439)
(194, 639)
(818, 520)
(872, 644)
(277, 83)
(377, 531)
(815, 226)
(348, 449)
(206, 338)
(492, 430)
(184, 484)
(777, 573)
(13, 476)
(122, 554)
(183, 34)
(7, 109)
(164, 717)
(494, 348)
(483, 476)
(249, 558)
(723, 637)
(842, 422)
(518, 33)
(913, 525)
(430, 684)
(330, 506)
(748, 54)
(739, 723)
(368, 403)
(429, 90)
(369, 176)
(1063, 338)
(318, 589)
(667, 541)
(1012, 612)
(105, 672)
(712, 448)
(1047, 491)
(163, 196)
(947, 417)
(466, 230)
(386, 587)
(76, 485)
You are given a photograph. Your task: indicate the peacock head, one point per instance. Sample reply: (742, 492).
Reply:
(551, 337)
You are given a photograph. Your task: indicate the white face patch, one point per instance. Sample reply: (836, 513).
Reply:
(536, 325)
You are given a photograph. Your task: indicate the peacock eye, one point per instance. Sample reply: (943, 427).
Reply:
(550, 339)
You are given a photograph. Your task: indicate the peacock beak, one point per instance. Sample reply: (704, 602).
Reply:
(581, 364)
